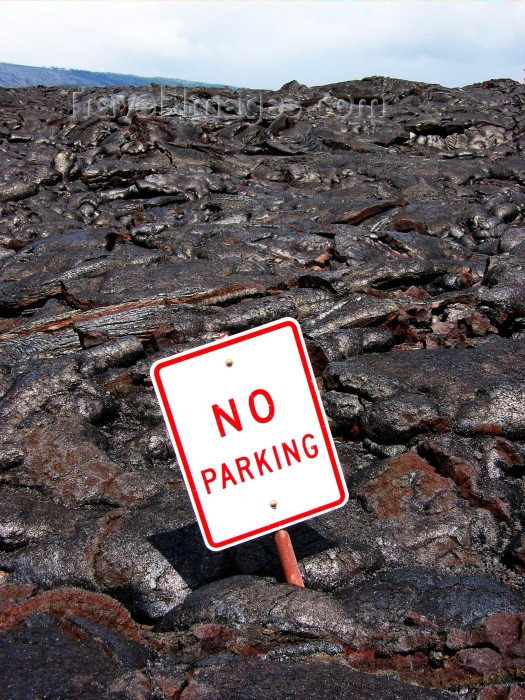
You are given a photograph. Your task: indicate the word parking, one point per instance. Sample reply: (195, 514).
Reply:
(258, 465)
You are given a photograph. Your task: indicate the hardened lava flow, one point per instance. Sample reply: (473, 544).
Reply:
(387, 217)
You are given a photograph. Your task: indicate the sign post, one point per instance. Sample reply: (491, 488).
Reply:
(287, 558)
(250, 433)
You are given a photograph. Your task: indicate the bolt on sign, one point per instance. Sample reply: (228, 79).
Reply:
(250, 433)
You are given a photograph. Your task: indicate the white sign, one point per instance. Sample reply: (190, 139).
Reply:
(250, 433)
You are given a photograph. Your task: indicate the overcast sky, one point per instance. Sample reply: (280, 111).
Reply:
(267, 43)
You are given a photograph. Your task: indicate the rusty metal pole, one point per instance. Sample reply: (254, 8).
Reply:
(288, 559)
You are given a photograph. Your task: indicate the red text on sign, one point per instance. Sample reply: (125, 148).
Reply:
(261, 464)
(262, 414)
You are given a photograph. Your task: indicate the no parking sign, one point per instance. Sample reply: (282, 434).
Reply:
(250, 433)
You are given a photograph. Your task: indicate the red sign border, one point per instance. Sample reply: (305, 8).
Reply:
(232, 340)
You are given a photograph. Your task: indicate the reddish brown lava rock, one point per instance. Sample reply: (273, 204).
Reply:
(406, 477)
(477, 323)
(471, 666)
(134, 685)
(170, 686)
(13, 595)
(501, 631)
(70, 602)
(464, 476)
(74, 469)
(213, 638)
(416, 667)
(483, 662)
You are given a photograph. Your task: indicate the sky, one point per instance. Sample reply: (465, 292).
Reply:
(266, 43)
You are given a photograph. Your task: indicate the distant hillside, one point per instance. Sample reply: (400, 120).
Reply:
(15, 76)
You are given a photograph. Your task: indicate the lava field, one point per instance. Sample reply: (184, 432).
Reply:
(387, 217)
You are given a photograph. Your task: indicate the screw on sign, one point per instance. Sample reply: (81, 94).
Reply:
(251, 436)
